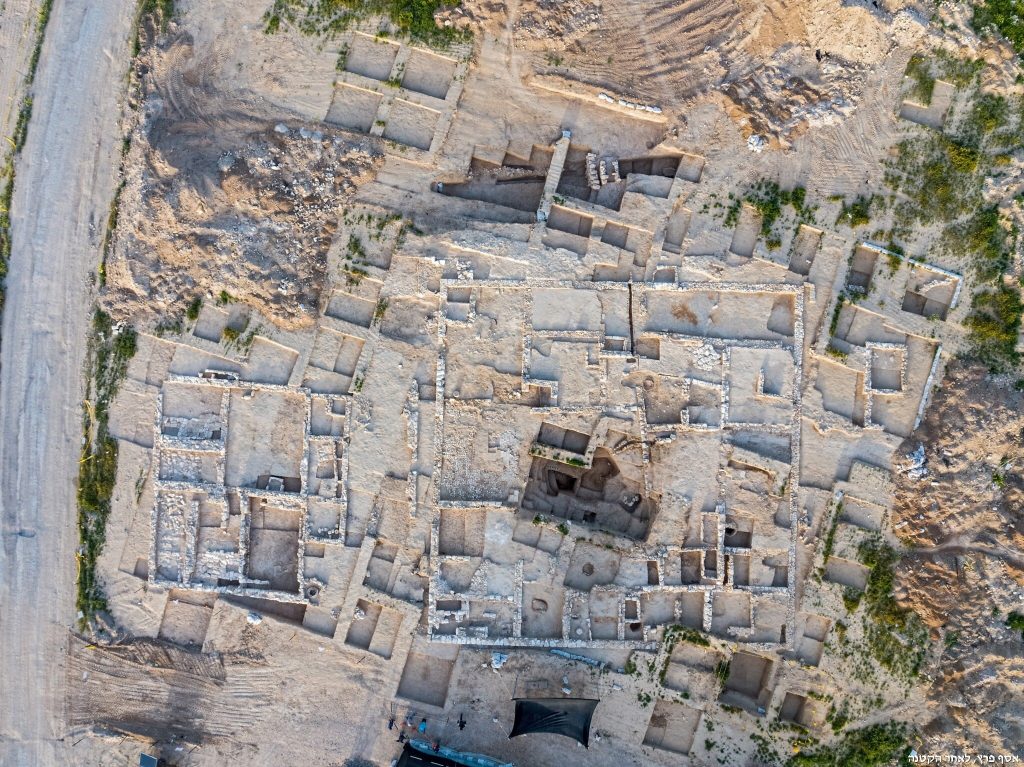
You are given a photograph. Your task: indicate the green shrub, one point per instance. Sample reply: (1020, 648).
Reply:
(851, 598)
(413, 18)
(108, 355)
(984, 241)
(1016, 621)
(994, 325)
(162, 10)
(920, 72)
(873, 746)
(962, 158)
(988, 112)
(193, 309)
(1004, 16)
(856, 213)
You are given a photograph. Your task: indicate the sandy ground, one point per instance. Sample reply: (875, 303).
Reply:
(65, 180)
(17, 37)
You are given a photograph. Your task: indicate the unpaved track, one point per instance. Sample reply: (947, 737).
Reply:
(66, 176)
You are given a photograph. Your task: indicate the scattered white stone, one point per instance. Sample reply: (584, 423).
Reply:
(254, 618)
(917, 468)
(705, 357)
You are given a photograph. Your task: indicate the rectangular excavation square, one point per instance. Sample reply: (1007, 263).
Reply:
(325, 471)
(186, 617)
(749, 675)
(658, 607)
(862, 269)
(840, 389)
(211, 323)
(619, 236)
(566, 439)
(385, 633)
(730, 609)
(748, 228)
(178, 466)
(428, 73)
(218, 553)
(862, 513)
(371, 57)
(466, 436)
(410, 124)
(930, 293)
(542, 611)
(353, 108)
(348, 355)
(761, 389)
(491, 620)
(805, 248)
(374, 628)
(739, 531)
(361, 630)
(192, 411)
(269, 362)
(847, 572)
(569, 221)
(887, 368)
(458, 573)
(274, 548)
(811, 644)
(378, 571)
(556, 239)
(691, 609)
(672, 727)
(175, 513)
(665, 399)
(425, 679)
(691, 167)
(675, 232)
(704, 405)
(691, 563)
(604, 614)
(933, 114)
(721, 313)
(696, 657)
(266, 438)
(558, 309)
(320, 621)
(461, 532)
(349, 308)
(801, 710)
(591, 566)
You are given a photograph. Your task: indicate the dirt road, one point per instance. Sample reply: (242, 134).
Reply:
(64, 185)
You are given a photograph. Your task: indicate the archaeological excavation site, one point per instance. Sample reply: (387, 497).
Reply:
(536, 383)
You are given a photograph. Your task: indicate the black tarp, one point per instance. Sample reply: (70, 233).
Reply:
(413, 757)
(562, 716)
